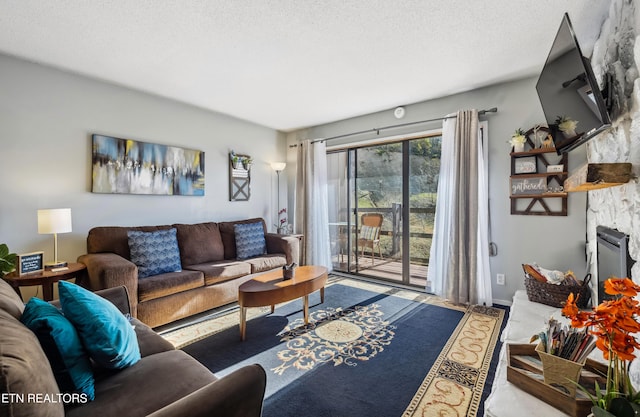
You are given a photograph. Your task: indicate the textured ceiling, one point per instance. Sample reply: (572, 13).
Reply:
(289, 64)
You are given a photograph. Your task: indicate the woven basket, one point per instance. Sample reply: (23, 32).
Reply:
(556, 295)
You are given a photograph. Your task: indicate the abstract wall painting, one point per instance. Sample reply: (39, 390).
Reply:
(125, 166)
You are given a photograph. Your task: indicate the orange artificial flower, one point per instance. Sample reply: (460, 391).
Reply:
(622, 286)
(614, 323)
(578, 318)
(613, 320)
(570, 308)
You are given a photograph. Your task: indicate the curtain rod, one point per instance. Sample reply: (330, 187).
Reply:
(378, 129)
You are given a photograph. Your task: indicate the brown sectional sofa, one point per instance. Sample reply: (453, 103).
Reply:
(210, 273)
(164, 383)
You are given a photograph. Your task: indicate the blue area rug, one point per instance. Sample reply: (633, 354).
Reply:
(365, 352)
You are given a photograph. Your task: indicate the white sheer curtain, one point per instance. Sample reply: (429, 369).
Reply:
(312, 213)
(459, 258)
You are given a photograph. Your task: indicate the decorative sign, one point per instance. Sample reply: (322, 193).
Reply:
(525, 165)
(528, 186)
(30, 263)
(239, 177)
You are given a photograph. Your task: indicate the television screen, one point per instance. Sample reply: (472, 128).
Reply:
(572, 102)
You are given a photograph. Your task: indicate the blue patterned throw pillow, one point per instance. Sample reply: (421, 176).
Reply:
(154, 252)
(249, 240)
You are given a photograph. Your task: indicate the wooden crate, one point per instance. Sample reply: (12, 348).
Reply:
(525, 371)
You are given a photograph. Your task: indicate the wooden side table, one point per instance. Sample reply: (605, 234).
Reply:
(46, 279)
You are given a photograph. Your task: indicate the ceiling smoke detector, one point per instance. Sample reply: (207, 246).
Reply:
(399, 112)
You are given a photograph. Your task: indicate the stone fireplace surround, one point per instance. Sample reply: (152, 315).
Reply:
(617, 52)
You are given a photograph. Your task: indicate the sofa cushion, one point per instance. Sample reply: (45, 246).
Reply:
(266, 262)
(103, 329)
(10, 301)
(154, 252)
(170, 283)
(154, 382)
(249, 240)
(199, 243)
(215, 272)
(114, 239)
(229, 237)
(25, 369)
(61, 343)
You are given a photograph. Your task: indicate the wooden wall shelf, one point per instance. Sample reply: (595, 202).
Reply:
(532, 193)
(596, 176)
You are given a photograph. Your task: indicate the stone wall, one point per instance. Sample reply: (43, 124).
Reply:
(617, 52)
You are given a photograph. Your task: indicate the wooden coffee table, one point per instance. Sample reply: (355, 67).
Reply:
(271, 288)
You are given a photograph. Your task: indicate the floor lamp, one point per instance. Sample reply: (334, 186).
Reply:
(278, 167)
(54, 221)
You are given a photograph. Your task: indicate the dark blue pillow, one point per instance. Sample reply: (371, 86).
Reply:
(105, 332)
(154, 252)
(249, 240)
(61, 343)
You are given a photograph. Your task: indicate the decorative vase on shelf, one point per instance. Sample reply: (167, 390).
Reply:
(567, 126)
(518, 139)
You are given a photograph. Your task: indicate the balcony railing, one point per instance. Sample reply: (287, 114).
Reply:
(393, 216)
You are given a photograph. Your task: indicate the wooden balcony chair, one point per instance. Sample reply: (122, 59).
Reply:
(369, 235)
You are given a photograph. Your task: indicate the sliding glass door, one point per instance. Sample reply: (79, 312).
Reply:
(381, 208)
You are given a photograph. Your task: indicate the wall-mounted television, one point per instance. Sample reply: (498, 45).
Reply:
(567, 88)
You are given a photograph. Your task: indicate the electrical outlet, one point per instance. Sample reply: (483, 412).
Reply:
(500, 279)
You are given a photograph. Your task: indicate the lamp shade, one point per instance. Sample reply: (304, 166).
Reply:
(278, 166)
(54, 221)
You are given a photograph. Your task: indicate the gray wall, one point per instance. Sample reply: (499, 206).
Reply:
(46, 121)
(47, 118)
(552, 242)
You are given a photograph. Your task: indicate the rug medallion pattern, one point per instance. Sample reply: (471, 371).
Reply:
(454, 385)
(335, 335)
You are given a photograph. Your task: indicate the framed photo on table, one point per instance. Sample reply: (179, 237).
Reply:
(30, 263)
(525, 165)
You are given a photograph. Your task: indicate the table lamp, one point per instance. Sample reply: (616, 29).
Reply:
(54, 221)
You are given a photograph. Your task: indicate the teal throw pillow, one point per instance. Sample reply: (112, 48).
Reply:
(61, 343)
(105, 332)
(249, 240)
(154, 252)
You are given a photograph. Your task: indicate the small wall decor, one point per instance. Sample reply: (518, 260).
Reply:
(528, 186)
(239, 177)
(125, 166)
(525, 165)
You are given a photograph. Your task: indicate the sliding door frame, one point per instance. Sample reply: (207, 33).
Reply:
(351, 150)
